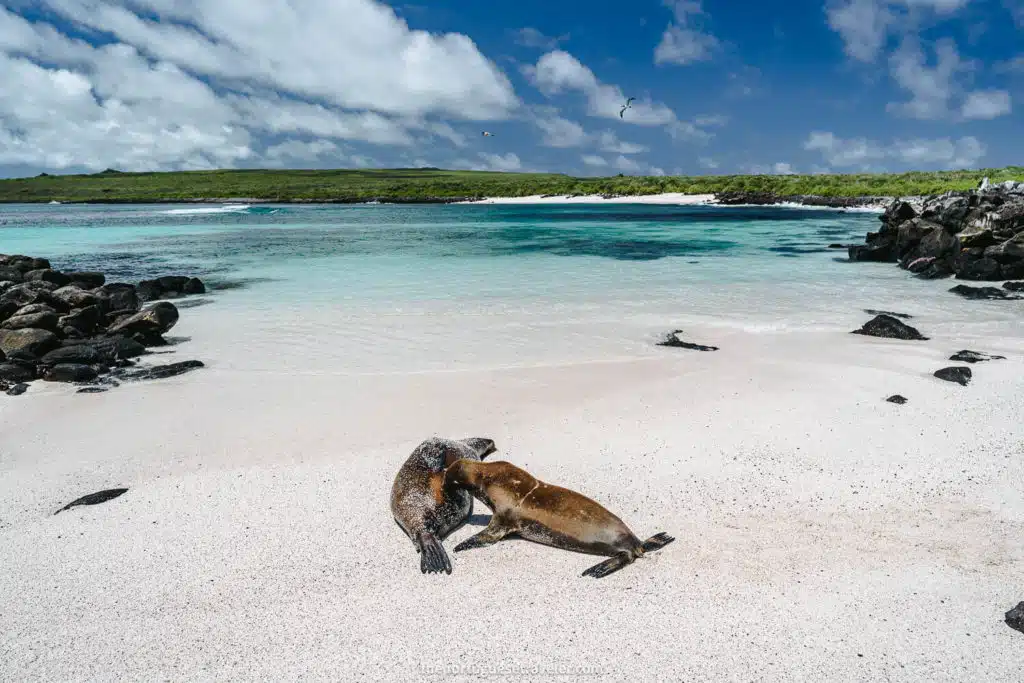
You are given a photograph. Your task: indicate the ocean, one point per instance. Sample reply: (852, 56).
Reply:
(397, 288)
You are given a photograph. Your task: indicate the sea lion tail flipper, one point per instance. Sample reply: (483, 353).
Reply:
(657, 541)
(433, 558)
(613, 564)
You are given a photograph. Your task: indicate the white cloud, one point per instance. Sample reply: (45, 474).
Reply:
(531, 37)
(594, 160)
(780, 168)
(844, 153)
(865, 25)
(609, 142)
(707, 163)
(964, 152)
(202, 86)
(558, 72)
(560, 133)
(497, 162)
(291, 151)
(312, 49)
(931, 87)
(683, 42)
(986, 104)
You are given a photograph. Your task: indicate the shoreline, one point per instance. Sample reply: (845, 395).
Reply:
(874, 204)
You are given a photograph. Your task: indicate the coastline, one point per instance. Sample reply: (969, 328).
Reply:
(871, 204)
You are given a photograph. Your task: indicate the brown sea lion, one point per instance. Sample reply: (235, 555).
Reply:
(529, 508)
(428, 510)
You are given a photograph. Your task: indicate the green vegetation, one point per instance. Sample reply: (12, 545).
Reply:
(434, 184)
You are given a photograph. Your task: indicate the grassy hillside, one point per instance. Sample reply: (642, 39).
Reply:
(426, 184)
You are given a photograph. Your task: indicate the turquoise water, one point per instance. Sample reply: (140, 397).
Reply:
(365, 253)
(389, 288)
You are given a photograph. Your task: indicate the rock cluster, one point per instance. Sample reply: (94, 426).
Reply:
(975, 235)
(76, 327)
(734, 198)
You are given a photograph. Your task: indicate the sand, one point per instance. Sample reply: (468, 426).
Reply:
(676, 198)
(663, 198)
(822, 533)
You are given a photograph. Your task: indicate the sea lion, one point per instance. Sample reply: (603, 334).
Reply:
(552, 515)
(428, 510)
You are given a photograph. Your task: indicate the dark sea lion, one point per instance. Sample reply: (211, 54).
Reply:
(552, 515)
(427, 509)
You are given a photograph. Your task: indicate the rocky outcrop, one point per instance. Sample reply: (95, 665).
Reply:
(888, 327)
(975, 235)
(770, 198)
(170, 287)
(897, 399)
(75, 327)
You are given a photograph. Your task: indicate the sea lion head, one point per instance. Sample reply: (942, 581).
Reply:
(481, 446)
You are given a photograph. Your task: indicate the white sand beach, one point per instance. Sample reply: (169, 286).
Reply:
(822, 533)
(674, 198)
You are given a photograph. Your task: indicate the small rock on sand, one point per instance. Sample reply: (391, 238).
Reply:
(888, 327)
(958, 374)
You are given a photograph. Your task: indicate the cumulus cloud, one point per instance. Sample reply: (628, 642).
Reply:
(986, 104)
(865, 25)
(863, 153)
(708, 163)
(684, 41)
(780, 168)
(609, 142)
(492, 162)
(931, 86)
(594, 160)
(531, 37)
(201, 84)
(558, 72)
(559, 132)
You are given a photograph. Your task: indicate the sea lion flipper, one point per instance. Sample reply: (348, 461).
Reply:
(489, 536)
(613, 564)
(657, 541)
(433, 558)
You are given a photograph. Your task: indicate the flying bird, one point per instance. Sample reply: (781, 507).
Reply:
(487, 134)
(626, 106)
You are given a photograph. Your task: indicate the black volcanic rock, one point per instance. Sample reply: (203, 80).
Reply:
(161, 371)
(897, 399)
(80, 354)
(958, 374)
(888, 327)
(966, 356)
(70, 372)
(1015, 618)
(154, 320)
(672, 340)
(871, 311)
(34, 341)
(978, 293)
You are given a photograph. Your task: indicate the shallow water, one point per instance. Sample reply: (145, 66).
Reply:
(385, 287)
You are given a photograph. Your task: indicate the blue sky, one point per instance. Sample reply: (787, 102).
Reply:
(722, 87)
